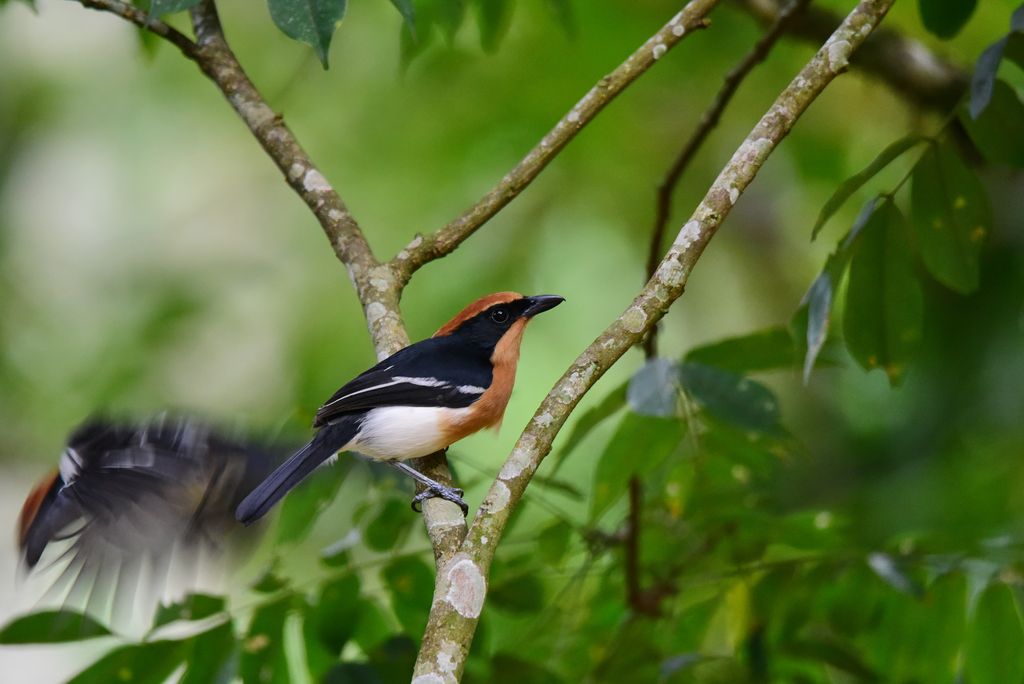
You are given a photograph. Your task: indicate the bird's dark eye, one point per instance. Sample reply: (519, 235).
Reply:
(499, 315)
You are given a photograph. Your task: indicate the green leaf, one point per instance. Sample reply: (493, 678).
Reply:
(332, 620)
(590, 419)
(390, 526)
(654, 389)
(213, 658)
(730, 397)
(450, 15)
(311, 21)
(985, 69)
(639, 444)
(770, 349)
(816, 307)
(999, 131)
(857, 181)
(263, 654)
(494, 18)
(408, 12)
(160, 8)
(192, 607)
(50, 627)
(306, 502)
(411, 584)
(945, 18)
(147, 663)
(994, 652)
(984, 77)
(884, 305)
(951, 217)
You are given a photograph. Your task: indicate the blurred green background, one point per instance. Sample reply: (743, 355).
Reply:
(151, 258)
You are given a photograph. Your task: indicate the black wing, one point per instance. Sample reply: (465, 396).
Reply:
(429, 373)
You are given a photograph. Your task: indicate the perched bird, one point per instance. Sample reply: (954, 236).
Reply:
(129, 501)
(419, 400)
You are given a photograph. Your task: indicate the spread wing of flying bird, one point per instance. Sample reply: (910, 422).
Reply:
(135, 511)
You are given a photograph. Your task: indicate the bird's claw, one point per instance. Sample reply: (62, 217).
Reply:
(452, 494)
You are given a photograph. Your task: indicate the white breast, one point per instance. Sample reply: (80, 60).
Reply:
(397, 433)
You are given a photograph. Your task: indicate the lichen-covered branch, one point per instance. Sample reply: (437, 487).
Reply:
(424, 249)
(912, 70)
(461, 583)
(708, 120)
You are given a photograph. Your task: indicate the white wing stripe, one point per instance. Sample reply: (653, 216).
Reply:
(352, 394)
(422, 382)
(470, 389)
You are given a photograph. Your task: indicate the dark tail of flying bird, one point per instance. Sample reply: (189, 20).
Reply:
(324, 444)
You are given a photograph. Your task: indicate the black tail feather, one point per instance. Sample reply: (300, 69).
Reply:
(324, 444)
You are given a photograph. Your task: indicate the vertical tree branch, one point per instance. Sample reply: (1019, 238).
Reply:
(461, 584)
(708, 120)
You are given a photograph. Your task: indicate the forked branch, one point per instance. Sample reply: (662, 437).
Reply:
(462, 583)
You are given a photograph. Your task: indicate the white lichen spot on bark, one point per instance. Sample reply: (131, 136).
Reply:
(416, 242)
(659, 50)
(670, 273)
(466, 587)
(517, 461)
(689, 234)
(734, 194)
(678, 30)
(574, 116)
(545, 419)
(374, 312)
(429, 678)
(634, 319)
(296, 170)
(448, 657)
(498, 497)
(314, 181)
(839, 55)
(335, 214)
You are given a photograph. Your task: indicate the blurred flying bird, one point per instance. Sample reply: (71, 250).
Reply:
(419, 400)
(129, 503)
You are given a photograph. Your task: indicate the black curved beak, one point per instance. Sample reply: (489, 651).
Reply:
(541, 303)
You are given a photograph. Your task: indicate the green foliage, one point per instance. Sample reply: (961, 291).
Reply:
(945, 18)
(883, 315)
(302, 506)
(311, 21)
(52, 626)
(998, 131)
(983, 79)
(146, 663)
(951, 217)
(857, 181)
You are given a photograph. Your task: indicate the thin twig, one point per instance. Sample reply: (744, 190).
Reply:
(461, 584)
(708, 120)
(424, 249)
